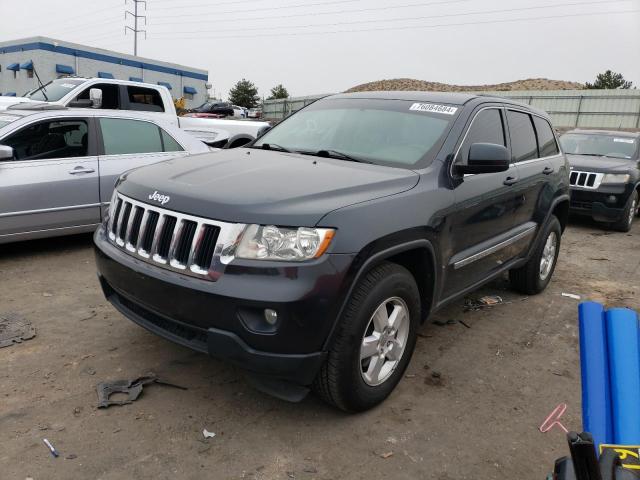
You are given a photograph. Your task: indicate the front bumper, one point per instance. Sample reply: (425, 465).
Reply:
(223, 318)
(606, 204)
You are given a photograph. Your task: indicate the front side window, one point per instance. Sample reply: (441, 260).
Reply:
(386, 132)
(49, 140)
(110, 95)
(487, 127)
(523, 137)
(546, 140)
(170, 145)
(123, 136)
(596, 144)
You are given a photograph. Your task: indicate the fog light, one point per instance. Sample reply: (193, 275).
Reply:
(270, 316)
(611, 199)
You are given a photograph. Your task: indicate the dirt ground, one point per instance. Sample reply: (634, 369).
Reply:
(499, 376)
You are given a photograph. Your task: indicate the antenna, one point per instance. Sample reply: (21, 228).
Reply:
(135, 16)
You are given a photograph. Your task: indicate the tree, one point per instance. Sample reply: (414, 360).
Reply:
(244, 94)
(609, 80)
(278, 92)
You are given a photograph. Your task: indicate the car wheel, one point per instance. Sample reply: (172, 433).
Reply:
(374, 342)
(536, 274)
(629, 214)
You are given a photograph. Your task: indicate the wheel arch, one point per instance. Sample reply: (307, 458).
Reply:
(418, 256)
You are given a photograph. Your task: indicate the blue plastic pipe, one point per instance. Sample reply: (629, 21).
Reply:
(624, 366)
(594, 365)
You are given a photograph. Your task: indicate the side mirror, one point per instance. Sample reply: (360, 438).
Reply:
(6, 152)
(263, 130)
(485, 158)
(95, 95)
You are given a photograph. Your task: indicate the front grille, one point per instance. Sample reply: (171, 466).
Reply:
(589, 180)
(170, 239)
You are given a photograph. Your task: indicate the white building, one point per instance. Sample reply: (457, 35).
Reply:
(51, 59)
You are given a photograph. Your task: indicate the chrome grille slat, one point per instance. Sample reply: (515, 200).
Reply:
(191, 245)
(589, 180)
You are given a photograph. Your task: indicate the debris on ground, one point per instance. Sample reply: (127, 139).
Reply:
(442, 323)
(14, 329)
(571, 295)
(71, 456)
(132, 388)
(474, 304)
(53, 451)
(554, 419)
(208, 434)
(386, 455)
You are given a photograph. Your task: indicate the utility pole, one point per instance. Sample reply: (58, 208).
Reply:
(135, 29)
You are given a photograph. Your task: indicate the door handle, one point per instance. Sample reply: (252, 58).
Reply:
(510, 181)
(78, 170)
(548, 170)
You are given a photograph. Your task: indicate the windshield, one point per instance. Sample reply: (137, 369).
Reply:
(386, 132)
(54, 90)
(7, 119)
(599, 144)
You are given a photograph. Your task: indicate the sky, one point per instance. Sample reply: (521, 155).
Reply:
(326, 46)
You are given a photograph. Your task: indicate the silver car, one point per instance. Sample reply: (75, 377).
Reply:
(58, 167)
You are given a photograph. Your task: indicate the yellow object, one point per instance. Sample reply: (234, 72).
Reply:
(629, 454)
(179, 103)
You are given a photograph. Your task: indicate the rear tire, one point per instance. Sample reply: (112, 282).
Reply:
(535, 275)
(629, 214)
(374, 340)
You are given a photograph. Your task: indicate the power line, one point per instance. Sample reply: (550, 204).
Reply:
(487, 22)
(237, 2)
(358, 22)
(371, 9)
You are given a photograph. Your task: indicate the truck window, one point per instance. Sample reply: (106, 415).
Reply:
(546, 140)
(144, 99)
(487, 127)
(110, 96)
(523, 138)
(169, 144)
(49, 140)
(123, 136)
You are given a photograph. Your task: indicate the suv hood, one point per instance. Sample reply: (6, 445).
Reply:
(6, 102)
(265, 187)
(602, 164)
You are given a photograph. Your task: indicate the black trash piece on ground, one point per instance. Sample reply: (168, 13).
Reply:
(14, 328)
(132, 388)
(475, 304)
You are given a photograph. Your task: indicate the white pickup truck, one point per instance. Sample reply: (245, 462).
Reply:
(154, 100)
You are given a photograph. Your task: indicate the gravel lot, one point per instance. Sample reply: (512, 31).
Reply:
(477, 419)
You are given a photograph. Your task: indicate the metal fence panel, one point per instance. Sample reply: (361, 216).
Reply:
(567, 108)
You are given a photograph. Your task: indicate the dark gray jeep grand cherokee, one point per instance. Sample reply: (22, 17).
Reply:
(311, 257)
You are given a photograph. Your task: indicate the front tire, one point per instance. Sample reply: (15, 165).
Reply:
(535, 275)
(629, 214)
(374, 341)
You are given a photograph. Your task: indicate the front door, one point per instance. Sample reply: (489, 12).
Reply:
(482, 221)
(51, 184)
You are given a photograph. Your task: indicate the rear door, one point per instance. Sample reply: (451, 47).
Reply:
(482, 222)
(536, 155)
(127, 143)
(52, 181)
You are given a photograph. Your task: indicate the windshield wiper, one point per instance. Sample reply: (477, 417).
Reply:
(42, 86)
(274, 146)
(340, 155)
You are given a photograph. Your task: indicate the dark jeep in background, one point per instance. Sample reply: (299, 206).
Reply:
(311, 257)
(605, 175)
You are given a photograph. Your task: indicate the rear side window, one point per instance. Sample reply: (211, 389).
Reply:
(523, 137)
(170, 145)
(546, 140)
(144, 99)
(122, 136)
(49, 140)
(487, 127)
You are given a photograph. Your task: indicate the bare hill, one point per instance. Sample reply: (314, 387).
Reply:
(421, 85)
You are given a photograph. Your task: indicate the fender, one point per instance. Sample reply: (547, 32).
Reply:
(378, 258)
(240, 136)
(561, 198)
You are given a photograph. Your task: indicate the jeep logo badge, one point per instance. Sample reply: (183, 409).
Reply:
(158, 197)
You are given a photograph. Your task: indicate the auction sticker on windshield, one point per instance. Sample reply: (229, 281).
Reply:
(434, 108)
(623, 140)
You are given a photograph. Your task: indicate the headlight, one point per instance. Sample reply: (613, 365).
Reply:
(292, 244)
(616, 178)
